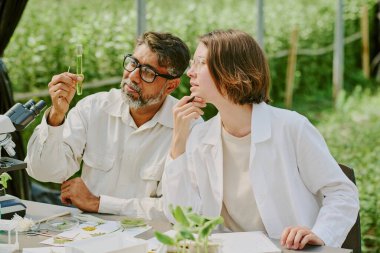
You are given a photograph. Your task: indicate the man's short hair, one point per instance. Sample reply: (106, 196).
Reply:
(238, 66)
(172, 52)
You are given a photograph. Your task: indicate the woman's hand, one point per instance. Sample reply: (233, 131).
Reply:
(186, 110)
(297, 237)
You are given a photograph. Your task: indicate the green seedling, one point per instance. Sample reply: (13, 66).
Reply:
(188, 224)
(4, 177)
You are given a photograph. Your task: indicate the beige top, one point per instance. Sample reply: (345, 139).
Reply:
(239, 209)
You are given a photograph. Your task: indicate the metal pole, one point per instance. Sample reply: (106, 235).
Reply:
(140, 17)
(338, 62)
(260, 23)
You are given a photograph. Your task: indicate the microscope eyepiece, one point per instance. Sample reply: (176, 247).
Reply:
(22, 115)
(29, 104)
(37, 108)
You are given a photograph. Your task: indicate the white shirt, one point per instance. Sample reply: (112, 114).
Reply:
(122, 164)
(293, 176)
(239, 208)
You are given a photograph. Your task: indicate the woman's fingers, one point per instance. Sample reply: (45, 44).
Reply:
(297, 237)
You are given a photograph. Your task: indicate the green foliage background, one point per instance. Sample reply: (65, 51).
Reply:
(44, 44)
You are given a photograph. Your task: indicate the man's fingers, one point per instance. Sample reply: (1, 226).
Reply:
(65, 198)
(60, 94)
(68, 78)
(61, 86)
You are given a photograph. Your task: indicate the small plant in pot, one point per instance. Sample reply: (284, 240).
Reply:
(192, 232)
(4, 177)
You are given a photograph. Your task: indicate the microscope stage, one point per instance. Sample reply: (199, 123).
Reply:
(10, 164)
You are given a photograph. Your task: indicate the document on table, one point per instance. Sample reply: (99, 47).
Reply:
(253, 242)
(89, 230)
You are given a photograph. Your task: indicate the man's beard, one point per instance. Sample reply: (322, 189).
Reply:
(140, 101)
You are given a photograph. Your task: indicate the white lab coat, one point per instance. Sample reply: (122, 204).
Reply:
(291, 169)
(122, 163)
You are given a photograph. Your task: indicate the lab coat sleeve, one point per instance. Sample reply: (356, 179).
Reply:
(179, 187)
(323, 176)
(146, 208)
(54, 153)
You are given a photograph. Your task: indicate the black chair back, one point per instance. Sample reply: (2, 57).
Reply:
(353, 240)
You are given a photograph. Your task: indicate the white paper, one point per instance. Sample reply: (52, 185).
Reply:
(114, 242)
(44, 250)
(253, 242)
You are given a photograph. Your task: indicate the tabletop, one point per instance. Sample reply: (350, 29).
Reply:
(37, 211)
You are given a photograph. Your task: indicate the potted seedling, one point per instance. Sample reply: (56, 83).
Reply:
(4, 177)
(192, 232)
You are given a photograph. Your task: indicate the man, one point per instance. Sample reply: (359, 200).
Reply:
(122, 136)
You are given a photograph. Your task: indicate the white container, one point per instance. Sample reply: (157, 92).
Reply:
(112, 243)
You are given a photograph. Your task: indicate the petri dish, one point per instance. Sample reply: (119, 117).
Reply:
(132, 222)
(62, 224)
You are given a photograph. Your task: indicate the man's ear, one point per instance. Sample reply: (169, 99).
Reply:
(172, 85)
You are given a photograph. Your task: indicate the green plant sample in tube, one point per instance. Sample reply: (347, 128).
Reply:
(79, 73)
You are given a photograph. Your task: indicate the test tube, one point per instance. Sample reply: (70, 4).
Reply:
(79, 68)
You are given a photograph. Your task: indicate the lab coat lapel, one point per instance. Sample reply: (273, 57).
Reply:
(260, 128)
(261, 132)
(213, 143)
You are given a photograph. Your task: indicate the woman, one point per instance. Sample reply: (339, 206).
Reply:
(260, 167)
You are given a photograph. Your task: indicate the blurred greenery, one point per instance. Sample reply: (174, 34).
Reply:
(45, 40)
(353, 136)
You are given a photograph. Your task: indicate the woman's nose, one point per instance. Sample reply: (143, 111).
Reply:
(190, 72)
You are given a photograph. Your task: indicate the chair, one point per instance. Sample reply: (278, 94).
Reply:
(353, 240)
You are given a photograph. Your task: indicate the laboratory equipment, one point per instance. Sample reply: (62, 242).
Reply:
(15, 119)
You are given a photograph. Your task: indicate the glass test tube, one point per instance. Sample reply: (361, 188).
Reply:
(79, 68)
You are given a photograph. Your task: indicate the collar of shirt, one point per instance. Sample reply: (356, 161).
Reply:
(260, 125)
(115, 106)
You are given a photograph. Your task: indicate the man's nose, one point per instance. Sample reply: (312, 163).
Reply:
(135, 75)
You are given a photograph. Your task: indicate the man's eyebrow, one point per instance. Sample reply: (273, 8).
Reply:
(146, 65)
(150, 66)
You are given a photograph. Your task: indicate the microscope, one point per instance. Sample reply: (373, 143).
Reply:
(15, 119)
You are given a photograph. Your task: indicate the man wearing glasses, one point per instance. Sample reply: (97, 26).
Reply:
(122, 136)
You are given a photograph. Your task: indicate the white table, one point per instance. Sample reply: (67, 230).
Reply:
(37, 211)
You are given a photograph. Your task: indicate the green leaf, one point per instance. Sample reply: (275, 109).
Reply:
(186, 234)
(180, 216)
(4, 177)
(207, 228)
(196, 218)
(165, 239)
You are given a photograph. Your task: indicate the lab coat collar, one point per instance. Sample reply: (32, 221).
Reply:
(115, 106)
(164, 116)
(260, 126)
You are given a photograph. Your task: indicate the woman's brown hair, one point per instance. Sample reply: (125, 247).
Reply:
(238, 66)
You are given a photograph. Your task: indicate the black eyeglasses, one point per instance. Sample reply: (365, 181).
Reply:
(147, 73)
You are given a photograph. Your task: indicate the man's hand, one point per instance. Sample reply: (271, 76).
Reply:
(62, 91)
(75, 192)
(297, 237)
